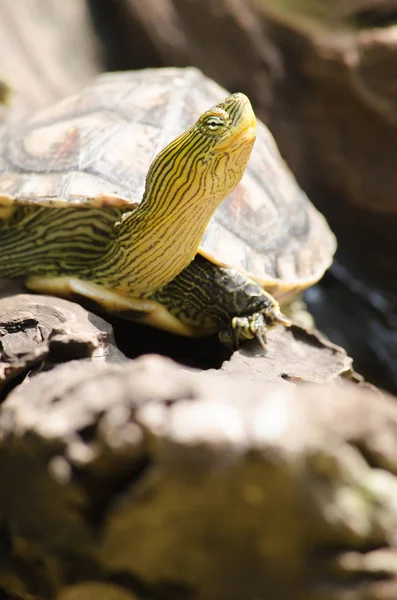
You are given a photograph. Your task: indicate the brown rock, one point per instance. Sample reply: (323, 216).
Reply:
(293, 354)
(212, 487)
(224, 39)
(334, 117)
(37, 331)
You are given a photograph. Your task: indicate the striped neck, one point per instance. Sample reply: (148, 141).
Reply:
(165, 241)
(185, 184)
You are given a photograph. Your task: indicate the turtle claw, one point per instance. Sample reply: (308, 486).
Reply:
(262, 341)
(282, 320)
(254, 326)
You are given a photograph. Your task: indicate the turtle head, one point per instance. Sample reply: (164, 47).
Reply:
(226, 135)
(228, 125)
(206, 162)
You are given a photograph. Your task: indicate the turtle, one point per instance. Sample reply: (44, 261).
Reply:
(134, 194)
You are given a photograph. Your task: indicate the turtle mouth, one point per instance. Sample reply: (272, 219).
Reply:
(249, 133)
(245, 135)
(247, 128)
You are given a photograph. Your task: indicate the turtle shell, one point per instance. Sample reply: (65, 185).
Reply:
(103, 139)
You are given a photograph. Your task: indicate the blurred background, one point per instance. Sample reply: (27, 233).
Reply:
(322, 74)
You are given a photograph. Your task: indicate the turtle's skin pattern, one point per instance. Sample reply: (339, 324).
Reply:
(220, 295)
(87, 157)
(82, 232)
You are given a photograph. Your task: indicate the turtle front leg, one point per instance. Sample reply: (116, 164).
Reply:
(208, 298)
(254, 326)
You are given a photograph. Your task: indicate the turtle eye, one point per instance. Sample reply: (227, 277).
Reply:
(214, 122)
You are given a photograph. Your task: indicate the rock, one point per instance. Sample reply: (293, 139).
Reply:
(224, 39)
(293, 354)
(335, 100)
(37, 331)
(170, 484)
